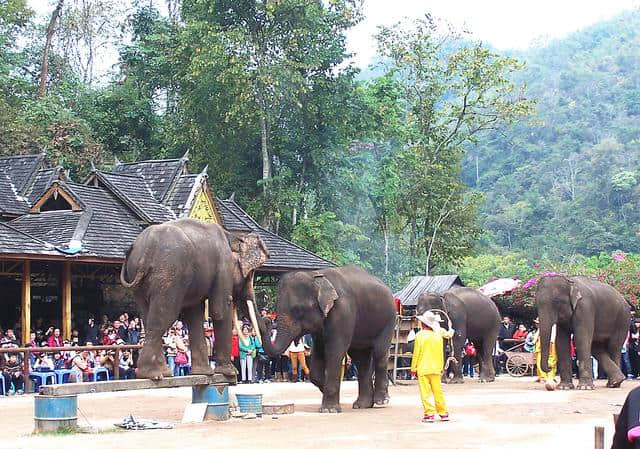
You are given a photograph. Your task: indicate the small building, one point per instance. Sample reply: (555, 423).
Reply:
(420, 284)
(58, 236)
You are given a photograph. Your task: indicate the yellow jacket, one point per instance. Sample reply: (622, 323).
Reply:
(428, 352)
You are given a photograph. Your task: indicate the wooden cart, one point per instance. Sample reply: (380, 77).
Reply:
(520, 363)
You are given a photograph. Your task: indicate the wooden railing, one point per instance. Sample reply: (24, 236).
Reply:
(26, 353)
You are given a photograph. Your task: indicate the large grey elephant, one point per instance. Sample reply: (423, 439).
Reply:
(346, 310)
(474, 316)
(174, 267)
(598, 317)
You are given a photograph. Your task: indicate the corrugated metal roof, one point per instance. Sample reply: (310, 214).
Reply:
(419, 284)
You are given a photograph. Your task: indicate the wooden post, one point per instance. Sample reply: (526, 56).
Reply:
(206, 310)
(116, 364)
(599, 437)
(25, 310)
(66, 300)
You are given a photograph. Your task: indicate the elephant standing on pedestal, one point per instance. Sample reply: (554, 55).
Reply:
(474, 316)
(598, 317)
(346, 310)
(174, 267)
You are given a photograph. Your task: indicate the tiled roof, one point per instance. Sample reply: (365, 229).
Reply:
(284, 254)
(158, 175)
(41, 182)
(13, 241)
(177, 199)
(20, 169)
(419, 284)
(55, 227)
(11, 202)
(133, 189)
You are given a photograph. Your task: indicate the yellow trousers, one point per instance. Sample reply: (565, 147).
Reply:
(431, 394)
(552, 365)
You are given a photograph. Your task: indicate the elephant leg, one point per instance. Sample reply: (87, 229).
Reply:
(611, 367)
(380, 360)
(563, 357)
(333, 354)
(485, 360)
(163, 311)
(362, 359)
(317, 375)
(199, 357)
(582, 341)
(222, 329)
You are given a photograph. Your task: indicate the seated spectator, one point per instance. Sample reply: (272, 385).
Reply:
(54, 340)
(13, 375)
(59, 362)
(9, 335)
(43, 363)
(127, 371)
(521, 332)
(80, 366)
(106, 360)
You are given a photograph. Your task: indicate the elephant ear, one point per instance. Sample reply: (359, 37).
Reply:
(574, 295)
(327, 294)
(250, 251)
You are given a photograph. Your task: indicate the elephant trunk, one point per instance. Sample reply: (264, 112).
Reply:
(286, 331)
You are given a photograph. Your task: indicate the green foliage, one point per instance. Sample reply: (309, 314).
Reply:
(330, 238)
(476, 271)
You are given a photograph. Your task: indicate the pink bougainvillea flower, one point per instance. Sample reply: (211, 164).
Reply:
(618, 257)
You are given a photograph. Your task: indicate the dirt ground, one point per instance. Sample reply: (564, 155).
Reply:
(514, 413)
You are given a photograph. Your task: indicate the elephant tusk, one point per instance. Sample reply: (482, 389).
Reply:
(236, 324)
(254, 321)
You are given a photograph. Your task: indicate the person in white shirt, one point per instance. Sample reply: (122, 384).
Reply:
(296, 354)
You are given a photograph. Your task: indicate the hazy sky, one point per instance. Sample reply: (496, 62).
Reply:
(505, 24)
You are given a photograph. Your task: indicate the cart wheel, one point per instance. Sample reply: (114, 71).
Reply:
(517, 366)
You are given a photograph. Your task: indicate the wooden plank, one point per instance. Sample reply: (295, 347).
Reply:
(66, 300)
(133, 384)
(599, 437)
(25, 306)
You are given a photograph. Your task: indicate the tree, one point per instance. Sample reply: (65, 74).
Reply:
(454, 91)
(51, 28)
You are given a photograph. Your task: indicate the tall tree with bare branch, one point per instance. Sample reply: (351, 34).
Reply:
(51, 28)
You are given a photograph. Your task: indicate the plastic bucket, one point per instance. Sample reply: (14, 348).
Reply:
(250, 403)
(54, 412)
(217, 399)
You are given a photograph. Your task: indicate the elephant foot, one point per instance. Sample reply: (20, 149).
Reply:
(330, 409)
(382, 402)
(585, 386)
(565, 386)
(202, 370)
(227, 370)
(363, 403)
(456, 380)
(615, 383)
(153, 373)
(484, 379)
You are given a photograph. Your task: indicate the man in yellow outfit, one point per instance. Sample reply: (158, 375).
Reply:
(548, 377)
(427, 363)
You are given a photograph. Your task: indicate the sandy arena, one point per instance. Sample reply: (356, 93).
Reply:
(512, 412)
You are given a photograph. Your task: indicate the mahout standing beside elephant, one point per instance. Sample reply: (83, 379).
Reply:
(174, 267)
(598, 317)
(475, 317)
(346, 310)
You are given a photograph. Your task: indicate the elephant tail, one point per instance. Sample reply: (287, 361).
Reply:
(139, 273)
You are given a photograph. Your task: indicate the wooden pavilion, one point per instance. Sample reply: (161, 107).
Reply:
(56, 234)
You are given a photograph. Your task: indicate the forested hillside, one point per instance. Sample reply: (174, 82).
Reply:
(566, 182)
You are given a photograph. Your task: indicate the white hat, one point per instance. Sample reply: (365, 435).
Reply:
(430, 319)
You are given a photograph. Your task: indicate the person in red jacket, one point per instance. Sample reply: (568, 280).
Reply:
(55, 340)
(521, 332)
(235, 349)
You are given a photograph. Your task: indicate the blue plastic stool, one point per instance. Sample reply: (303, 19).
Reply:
(61, 373)
(42, 378)
(99, 370)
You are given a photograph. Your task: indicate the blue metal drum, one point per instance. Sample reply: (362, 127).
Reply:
(54, 412)
(217, 398)
(250, 403)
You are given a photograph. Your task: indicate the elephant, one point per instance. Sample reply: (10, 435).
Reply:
(174, 267)
(346, 310)
(596, 314)
(474, 316)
